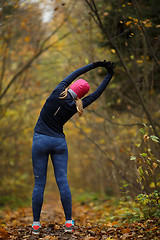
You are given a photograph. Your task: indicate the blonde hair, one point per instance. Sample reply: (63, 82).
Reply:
(79, 104)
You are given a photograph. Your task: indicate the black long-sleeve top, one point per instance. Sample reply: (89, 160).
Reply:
(56, 112)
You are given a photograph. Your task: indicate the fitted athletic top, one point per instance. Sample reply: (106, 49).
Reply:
(56, 112)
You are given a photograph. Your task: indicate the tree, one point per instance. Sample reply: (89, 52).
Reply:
(120, 21)
(127, 35)
(20, 88)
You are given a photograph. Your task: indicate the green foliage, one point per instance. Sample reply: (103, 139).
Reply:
(132, 158)
(149, 204)
(147, 163)
(144, 207)
(155, 138)
(14, 200)
(86, 196)
(140, 209)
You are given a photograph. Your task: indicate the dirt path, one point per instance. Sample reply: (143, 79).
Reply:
(17, 224)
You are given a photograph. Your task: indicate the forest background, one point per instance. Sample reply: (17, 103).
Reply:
(114, 147)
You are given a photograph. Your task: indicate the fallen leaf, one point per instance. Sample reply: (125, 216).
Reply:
(111, 230)
(3, 233)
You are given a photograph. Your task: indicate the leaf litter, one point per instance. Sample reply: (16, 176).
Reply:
(90, 224)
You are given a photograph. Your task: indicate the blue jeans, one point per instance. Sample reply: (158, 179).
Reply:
(43, 146)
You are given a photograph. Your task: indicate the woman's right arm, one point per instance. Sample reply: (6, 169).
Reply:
(71, 77)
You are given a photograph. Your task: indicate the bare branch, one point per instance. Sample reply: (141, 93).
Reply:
(30, 61)
(39, 51)
(117, 167)
(114, 45)
(115, 37)
(3, 66)
(114, 123)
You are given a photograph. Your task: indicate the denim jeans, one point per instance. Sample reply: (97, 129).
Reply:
(43, 146)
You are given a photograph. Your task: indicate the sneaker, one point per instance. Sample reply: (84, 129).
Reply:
(69, 227)
(36, 229)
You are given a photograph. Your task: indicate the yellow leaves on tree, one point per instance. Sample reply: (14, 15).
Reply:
(135, 21)
(113, 51)
(27, 39)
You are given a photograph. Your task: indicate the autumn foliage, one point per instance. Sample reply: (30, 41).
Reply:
(114, 147)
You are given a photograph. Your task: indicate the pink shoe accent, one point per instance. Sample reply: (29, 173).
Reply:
(68, 224)
(36, 227)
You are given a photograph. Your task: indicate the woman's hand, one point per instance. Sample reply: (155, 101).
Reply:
(109, 66)
(98, 64)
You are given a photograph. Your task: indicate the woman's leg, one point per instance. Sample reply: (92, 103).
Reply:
(60, 160)
(40, 162)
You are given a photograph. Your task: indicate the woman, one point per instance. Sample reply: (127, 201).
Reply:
(49, 138)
